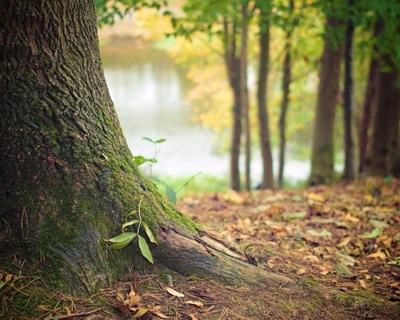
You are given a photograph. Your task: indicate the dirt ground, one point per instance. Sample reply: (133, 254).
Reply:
(340, 244)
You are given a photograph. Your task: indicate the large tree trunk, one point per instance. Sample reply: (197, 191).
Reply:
(262, 87)
(349, 164)
(232, 63)
(286, 81)
(67, 178)
(385, 127)
(322, 161)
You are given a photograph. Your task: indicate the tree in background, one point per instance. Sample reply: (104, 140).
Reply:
(67, 178)
(286, 80)
(265, 8)
(322, 160)
(348, 95)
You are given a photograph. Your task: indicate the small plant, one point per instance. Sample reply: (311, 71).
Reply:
(122, 240)
(140, 160)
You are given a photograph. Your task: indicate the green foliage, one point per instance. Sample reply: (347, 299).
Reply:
(123, 239)
(108, 11)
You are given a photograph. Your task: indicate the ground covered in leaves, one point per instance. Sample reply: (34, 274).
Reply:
(341, 244)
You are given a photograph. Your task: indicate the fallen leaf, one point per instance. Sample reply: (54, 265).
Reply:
(159, 314)
(344, 242)
(315, 197)
(174, 292)
(140, 313)
(193, 317)
(301, 271)
(323, 234)
(344, 259)
(379, 254)
(120, 295)
(195, 303)
(363, 284)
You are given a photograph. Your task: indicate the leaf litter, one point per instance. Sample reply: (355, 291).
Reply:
(340, 243)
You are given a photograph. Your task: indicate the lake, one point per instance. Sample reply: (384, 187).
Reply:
(149, 91)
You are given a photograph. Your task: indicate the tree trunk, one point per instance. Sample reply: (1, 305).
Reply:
(232, 64)
(385, 127)
(370, 101)
(262, 87)
(244, 94)
(322, 161)
(286, 80)
(67, 178)
(349, 169)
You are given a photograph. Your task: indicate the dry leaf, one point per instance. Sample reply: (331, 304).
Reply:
(140, 313)
(363, 284)
(381, 255)
(120, 295)
(160, 315)
(315, 197)
(195, 303)
(344, 242)
(174, 292)
(301, 271)
(193, 317)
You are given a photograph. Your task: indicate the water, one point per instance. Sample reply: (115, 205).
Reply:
(149, 93)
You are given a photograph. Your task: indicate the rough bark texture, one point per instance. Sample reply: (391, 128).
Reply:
(349, 168)
(385, 127)
(322, 161)
(286, 80)
(67, 177)
(232, 63)
(262, 87)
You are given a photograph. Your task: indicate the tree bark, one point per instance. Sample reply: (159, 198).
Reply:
(244, 93)
(262, 87)
(322, 161)
(232, 63)
(286, 80)
(385, 127)
(349, 164)
(67, 177)
(370, 101)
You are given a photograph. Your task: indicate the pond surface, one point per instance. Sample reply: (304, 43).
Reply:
(149, 91)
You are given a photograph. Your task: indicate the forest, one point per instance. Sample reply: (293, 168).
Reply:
(93, 228)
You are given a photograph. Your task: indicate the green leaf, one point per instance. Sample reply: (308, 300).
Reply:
(139, 160)
(2, 284)
(148, 139)
(149, 233)
(373, 234)
(120, 241)
(129, 223)
(171, 194)
(144, 249)
(160, 140)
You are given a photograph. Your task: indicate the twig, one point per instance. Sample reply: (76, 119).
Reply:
(79, 315)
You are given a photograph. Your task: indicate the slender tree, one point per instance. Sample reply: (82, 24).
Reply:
(262, 87)
(244, 91)
(286, 81)
(67, 178)
(349, 164)
(322, 161)
(232, 63)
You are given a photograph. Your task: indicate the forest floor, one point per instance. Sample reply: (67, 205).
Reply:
(340, 243)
